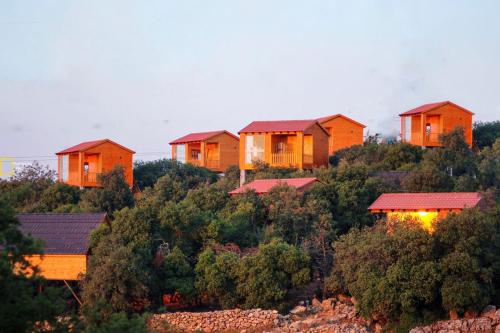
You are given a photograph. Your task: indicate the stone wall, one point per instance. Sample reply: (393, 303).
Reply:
(487, 322)
(215, 321)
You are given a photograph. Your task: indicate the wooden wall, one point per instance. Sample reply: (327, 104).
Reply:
(451, 117)
(112, 155)
(60, 266)
(320, 146)
(343, 134)
(229, 148)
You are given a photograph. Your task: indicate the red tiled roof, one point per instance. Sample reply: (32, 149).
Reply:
(202, 136)
(428, 107)
(61, 233)
(264, 185)
(423, 201)
(328, 118)
(278, 126)
(89, 144)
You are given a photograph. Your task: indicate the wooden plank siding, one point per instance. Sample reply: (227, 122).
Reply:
(343, 133)
(315, 138)
(442, 119)
(60, 266)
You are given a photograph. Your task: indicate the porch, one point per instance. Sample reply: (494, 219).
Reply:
(421, 130)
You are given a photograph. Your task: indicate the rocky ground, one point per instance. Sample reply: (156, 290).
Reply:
(332, 315)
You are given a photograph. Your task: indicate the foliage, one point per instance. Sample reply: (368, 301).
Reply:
(99, 318)
(176, 274)
(57, 196)
(146, 174)
(21, 307)
(114, 195)
(404, 274)
(485, 134)
(259, 280)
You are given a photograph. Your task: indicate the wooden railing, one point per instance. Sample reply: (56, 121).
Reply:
(429, 138)
(91, 178)
(308, 159)
(194, 162)
(212, 164)
(284, 159)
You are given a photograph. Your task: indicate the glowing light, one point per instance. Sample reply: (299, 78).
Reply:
(426, 220)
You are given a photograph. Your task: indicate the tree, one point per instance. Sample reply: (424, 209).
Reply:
(58, 195)
(265, 278)
(485, 133)
(146, 174)
(176, 274)
(21, 307)
(216, 277)
(119, 270)
(114, 195)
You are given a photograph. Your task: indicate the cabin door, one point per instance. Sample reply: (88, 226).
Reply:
(432, 128)
(212, 155)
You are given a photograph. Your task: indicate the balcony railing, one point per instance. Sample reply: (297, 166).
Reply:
(284, 159)
(429, 138)
(308, 159)
(194, 162)
(212, 164)
(91, 178)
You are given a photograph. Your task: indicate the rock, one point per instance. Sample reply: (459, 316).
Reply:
(327, 304)
(299, 309)
(316, 303)
(344, 299)
(470, 314)
(489, 311)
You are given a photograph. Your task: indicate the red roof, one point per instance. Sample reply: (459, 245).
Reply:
(278, 126)
(264, 185)
(424, 201)
(328, 118)
(428, 107)
(61, 233)
(202, 136)
(89, 144)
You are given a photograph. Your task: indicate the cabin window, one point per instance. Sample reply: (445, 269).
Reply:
(254, 148)
(180, 153)
(195, 154)
(86, 167)
(64, 165)
(408, 129)
(308, 145)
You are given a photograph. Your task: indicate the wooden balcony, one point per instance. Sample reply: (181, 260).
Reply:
(430, 139)
(284, 159)
(213, 165)
(91, 179)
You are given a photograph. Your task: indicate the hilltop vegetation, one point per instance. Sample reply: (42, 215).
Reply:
(174, 234)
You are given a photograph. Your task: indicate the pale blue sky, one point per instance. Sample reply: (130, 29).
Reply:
(145, 72)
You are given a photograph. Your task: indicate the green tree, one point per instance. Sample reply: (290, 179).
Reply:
(58, 195)
(176, 274)
(484, 134)
(265, 278)
(114, 195)
(216, 277)
(21, 305)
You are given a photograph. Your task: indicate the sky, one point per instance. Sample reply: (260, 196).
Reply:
(143, 73)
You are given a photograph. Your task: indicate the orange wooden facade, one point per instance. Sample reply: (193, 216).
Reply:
(215, 151)
(301, 149)
(82, 164)
(423, 126)
(60, 266)
(344, 132)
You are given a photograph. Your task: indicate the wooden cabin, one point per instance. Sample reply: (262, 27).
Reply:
(423, 125)
(261, 186)
(427, 208)
(66, 242)
(344, 132)
(81, 165)
(215, 150)
(301, 144)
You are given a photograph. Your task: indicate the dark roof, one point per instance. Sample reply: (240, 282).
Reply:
(89, 144)
(61, 233)
(328, 118)
(278, 126)
(265, 185)
(202, 136)
(431, 106)
(424, 201)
